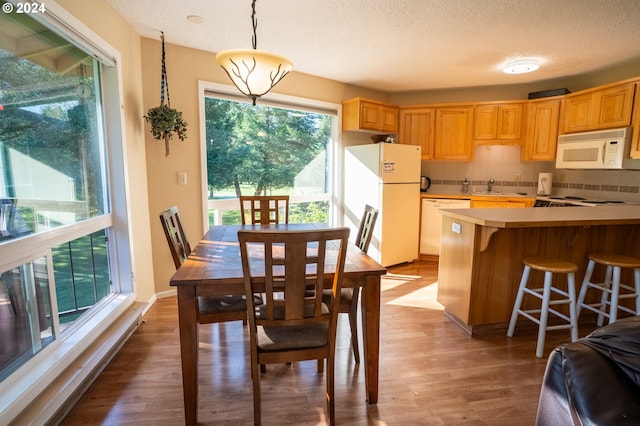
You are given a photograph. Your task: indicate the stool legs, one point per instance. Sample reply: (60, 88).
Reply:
(545, 295)
(544, 314)
(610, 289)
(519, 297)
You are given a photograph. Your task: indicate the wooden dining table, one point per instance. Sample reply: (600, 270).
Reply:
(214, 268)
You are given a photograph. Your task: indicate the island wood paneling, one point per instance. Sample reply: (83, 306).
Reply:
(479, 276)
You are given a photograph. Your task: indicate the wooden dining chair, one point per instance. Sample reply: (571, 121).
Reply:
(211, 309)
(293, 324)
(264, 209)
(350, 296)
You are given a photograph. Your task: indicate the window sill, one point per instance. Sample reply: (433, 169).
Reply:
(51, 382)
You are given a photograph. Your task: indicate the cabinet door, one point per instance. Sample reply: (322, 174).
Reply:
(498, 124)
(541, 136)
(388, 119)
(486, 122)
(614, 106)
(577, 113)
(417, 128)
(370, 116)
(510, 203)
(509, 122)
(454, 133)
(635, 134)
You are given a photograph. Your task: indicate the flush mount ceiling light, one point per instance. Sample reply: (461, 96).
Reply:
(254, 72)
(521, 66)
(195, 19)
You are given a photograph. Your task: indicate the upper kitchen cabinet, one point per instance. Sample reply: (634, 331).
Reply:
(454, 133)
(635, 122)
(417, 127)
(541, 132)
(600, 108)
(369, 115)
(498, 124)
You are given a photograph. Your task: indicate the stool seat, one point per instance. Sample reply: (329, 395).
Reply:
(615, 260)
(550, 265)
(612, 289)
(540, 316)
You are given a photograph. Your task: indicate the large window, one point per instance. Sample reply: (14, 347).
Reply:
(55, 216)
(269, 149)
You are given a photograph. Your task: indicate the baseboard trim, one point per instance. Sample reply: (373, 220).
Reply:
(54, 403)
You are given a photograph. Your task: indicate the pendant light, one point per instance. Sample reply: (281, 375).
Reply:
(254, 72)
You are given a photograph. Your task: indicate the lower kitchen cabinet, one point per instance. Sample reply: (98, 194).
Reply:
(501, 202)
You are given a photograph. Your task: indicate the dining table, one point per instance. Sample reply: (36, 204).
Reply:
(214, 268)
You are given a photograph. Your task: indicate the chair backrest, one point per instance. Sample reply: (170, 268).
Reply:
(290, 268)
(365, 232)
(265, 209)
(177, 239)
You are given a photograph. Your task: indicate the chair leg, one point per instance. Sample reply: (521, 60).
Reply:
(255, 376)
(518, 302)
(615, 293)
(585, 285)
(544, 314)
(604, 298)
(573, 316)
(320, 366)
(353, 322)
(636, 280)
(331, 406)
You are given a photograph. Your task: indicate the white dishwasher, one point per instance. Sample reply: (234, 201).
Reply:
(431, 222)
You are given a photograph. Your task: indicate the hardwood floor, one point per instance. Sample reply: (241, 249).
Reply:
(431, 372)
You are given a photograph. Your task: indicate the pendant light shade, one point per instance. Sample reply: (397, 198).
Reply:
(254, 72)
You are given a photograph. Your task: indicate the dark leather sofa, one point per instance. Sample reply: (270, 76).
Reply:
(595, 380)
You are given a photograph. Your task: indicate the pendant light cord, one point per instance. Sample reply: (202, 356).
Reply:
(254, 21)
(164, 80)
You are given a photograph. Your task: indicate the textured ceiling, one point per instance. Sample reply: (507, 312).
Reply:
(402, 45)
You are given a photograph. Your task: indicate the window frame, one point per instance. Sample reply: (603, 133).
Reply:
(230, 92)
(27, 383)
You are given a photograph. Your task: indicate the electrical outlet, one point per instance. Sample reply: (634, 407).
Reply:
(456, 227)
(562, 177)
(518, 177)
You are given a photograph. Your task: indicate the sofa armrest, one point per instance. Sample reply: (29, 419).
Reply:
(583, 387)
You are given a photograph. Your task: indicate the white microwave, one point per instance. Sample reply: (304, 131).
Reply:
(603, 149)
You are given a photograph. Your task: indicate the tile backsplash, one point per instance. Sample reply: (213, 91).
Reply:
(503, 165)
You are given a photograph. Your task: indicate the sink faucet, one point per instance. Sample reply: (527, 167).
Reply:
(490, 185)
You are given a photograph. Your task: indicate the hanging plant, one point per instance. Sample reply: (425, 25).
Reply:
(164, 120)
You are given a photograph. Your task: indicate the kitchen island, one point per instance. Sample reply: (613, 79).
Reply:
(481, 253)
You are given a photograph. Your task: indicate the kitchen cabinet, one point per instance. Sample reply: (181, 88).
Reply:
(635, 122)
(596, 109)
(541, 132)
(501, 202)
(454, 133)
(498, 124)
(417, 127)
(369, 115)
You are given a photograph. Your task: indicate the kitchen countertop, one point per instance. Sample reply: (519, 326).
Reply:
(548, 217)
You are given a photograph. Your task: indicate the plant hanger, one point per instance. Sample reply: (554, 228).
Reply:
(164, 120)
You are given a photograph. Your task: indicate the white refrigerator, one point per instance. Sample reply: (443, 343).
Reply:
(385, 176)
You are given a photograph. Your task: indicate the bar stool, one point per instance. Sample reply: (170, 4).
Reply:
(549, 267)
(611, 286)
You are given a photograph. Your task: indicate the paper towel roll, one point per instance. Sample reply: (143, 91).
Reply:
(545, 183)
